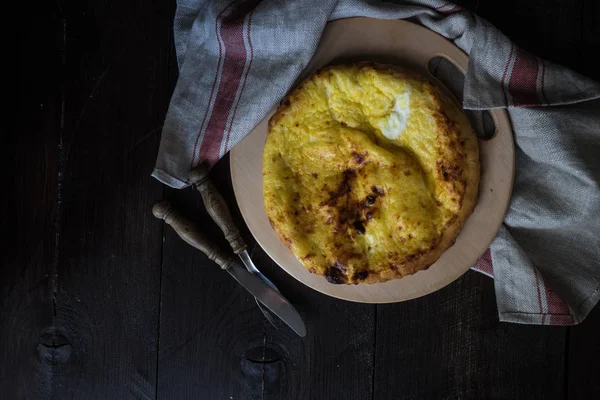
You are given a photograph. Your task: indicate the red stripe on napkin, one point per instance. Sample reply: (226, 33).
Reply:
(453, 9)
(542, 90)
(212, 89)
(523, 80)
(234, 60)
(484, 264)
(245, 78)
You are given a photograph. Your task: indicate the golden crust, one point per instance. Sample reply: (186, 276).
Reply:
(352, 204)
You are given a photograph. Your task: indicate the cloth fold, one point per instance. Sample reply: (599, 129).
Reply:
(545, 259)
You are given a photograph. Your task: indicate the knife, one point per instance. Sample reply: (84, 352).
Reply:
(271, 298)
(219, 212)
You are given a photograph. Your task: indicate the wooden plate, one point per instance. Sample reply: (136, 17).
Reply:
(405, 44)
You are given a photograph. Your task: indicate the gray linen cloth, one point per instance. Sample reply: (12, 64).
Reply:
(238, 58)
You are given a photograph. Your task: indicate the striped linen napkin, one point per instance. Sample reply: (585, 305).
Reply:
(238, 58)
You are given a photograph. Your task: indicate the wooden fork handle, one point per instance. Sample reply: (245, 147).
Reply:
(189, 232)
(217, 207)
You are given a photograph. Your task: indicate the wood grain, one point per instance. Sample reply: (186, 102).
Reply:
(80, 308)
(28, 344)
(583, 353)
(108, 270)
(469, 353)
(208, 322)
(191, 234)
(80, 283)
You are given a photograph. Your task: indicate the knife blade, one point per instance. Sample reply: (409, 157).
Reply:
(245, 257)
(268, 296)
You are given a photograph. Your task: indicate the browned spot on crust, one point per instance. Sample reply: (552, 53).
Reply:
(414, 256)
(315, 175)
(336, 273)
(343, 188)
(297, 178)
(449, 171)
(308, 256)
(407, 173)
(434, 243)
(359, 158)
(378, 190)
(451, 221)
(360, 228)
(360, 275)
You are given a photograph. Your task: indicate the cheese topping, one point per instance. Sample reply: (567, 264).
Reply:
(392, 126)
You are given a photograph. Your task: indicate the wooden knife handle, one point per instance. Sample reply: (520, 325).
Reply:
(217, 207)
(189, 232)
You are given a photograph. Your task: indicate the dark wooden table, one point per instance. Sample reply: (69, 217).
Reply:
(100, 300)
